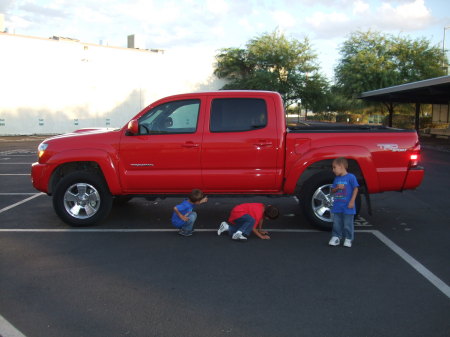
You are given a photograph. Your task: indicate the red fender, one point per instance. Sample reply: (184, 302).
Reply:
(360, 154)
(107, 165)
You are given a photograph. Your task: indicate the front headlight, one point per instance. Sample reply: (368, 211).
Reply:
(41, 149)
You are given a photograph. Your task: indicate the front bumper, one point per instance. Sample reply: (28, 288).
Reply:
(40, 177)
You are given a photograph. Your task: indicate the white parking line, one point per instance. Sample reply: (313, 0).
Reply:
(7, 330)
(14, 174)
(420, 268)
(21, 202)
(18, 193)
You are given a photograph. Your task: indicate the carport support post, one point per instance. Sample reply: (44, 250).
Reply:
(417, 119)
(390, 107)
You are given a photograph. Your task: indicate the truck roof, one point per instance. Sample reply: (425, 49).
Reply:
(225, 93)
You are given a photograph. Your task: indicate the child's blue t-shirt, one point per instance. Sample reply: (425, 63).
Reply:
(184, 208)
(342, 197)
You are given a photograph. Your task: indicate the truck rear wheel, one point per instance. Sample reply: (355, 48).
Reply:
(82, 199)
(317, 200)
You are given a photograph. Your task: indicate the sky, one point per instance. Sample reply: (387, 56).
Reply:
(213, 24)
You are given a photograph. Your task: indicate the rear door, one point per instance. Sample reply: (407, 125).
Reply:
(165, 155)
(241, 146)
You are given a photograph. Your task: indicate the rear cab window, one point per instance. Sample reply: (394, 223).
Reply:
(238, 114)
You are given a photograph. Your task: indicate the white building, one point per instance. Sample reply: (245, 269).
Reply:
(57, 85)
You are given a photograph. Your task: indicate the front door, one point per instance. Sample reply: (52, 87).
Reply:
(165, 155)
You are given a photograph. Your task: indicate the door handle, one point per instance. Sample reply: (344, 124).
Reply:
(263, 143)
(190, 144)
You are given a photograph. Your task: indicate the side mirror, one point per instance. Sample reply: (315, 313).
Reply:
(133, 127)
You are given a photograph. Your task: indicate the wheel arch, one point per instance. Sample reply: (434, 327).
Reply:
(67, 168)
(320, 159)
(92, 161)
(324, 167)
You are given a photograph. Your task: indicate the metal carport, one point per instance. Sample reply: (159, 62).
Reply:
(431, 91)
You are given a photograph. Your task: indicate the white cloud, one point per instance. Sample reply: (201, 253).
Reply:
(92, 16)
(6, 5)
(321, 19)
(284, 19)
(409, 16)
(217, 7)
(360, 7)
(245, 24)
(402, 15)
(149, 12)
(17, 22)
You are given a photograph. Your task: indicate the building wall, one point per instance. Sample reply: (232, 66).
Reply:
(54, 86)
(441, 113)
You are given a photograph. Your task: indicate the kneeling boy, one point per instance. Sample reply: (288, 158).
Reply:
(247, 218)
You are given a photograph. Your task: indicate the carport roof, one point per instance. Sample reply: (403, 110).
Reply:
(431, 91)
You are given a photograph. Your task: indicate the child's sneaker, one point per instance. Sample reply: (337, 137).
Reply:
(223, 228)
(334, 241)
(238, 236)
(183, 233)
(347, 243)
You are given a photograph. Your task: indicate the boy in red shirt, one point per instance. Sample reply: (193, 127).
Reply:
(247, 218)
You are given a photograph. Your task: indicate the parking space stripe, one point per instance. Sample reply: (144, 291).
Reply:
(134, 230)
(14, 174)
(18, 193)
(21, 202)
(420, 268)
(7, 330)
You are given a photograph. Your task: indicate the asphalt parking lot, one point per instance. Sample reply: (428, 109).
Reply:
(134, 276)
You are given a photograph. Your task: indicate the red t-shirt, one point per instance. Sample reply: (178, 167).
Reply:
(255, 210)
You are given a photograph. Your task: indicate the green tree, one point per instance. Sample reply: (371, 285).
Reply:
(314, 92)
(272, 62)
(372, 60)
(338, 102)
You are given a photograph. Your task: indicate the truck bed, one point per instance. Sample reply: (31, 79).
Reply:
(340, 127)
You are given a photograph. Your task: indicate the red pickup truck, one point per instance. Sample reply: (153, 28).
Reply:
(225, 143)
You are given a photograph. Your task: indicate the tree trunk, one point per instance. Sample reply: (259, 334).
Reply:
(390, 108)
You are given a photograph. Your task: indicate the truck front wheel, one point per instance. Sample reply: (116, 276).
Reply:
(317, 200)
(82, 199)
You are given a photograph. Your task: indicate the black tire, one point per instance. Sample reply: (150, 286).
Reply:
(82, 199)
(316, 200)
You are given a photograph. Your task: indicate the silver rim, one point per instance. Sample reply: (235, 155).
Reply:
(82, 200)
(322, 201)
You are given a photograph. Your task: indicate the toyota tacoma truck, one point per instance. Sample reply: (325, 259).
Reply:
(224, 143)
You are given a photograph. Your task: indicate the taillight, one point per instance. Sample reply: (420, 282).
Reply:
(414, 156)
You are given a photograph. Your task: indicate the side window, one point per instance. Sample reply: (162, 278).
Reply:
(238, 114)
(171, 117)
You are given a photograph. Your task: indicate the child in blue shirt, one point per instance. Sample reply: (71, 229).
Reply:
(345, 190)
(183, 216)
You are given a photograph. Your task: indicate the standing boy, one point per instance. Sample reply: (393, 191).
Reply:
(247, 218)
(345, 190)
(183, 216)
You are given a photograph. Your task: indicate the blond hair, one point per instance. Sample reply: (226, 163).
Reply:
(341, 161)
